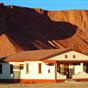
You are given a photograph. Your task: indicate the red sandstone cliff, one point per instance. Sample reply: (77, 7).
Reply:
(30, 29)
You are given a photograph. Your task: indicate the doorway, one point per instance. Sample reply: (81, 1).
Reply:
(66, 69)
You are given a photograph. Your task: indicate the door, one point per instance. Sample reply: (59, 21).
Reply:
(71, 70)
(66, 70)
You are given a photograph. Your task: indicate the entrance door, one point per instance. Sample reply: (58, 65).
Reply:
(66, 69)
(71, 70)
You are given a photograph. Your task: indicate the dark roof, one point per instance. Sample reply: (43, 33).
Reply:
(35, 55)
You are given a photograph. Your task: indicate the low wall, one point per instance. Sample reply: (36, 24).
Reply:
(60, 76)
(80, 75)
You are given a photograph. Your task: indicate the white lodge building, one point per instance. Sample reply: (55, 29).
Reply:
(53, 65)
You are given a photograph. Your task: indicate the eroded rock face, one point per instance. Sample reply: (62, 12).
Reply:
(34, 29)
(79, 40)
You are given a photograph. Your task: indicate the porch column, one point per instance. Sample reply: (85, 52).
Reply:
(81, 64)
(55, 71)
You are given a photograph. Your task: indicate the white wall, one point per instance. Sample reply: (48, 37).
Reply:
(60, 76)
(61, 57)
(33, 71)
(78, 68)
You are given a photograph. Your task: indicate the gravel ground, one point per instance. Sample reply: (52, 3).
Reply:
(47, 85)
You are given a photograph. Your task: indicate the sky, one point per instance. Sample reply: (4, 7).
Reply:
(50, 4)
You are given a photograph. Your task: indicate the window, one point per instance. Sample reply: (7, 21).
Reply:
(39, 67)
(11, 69)
(27, 68)
(66, 56)
(0, 68)
(74, 56)
(48, 70)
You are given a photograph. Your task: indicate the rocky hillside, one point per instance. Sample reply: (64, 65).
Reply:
(33, 29)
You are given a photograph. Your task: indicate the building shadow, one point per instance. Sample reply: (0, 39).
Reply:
(7, 73)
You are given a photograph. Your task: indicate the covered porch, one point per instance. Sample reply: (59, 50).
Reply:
(77, 70)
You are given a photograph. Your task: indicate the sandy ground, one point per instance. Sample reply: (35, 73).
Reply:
(47, 85)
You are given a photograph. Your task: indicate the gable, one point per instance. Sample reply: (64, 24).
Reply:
(71, 55)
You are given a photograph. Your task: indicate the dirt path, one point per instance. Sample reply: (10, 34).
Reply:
(47, 85)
